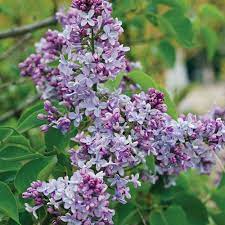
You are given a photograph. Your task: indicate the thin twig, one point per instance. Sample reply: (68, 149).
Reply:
(18, 110)
(15, 47)
(14, 32)
(142, 218)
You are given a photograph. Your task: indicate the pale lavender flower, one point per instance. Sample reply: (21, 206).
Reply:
(33, 210)
(83, 198)
(87, 18)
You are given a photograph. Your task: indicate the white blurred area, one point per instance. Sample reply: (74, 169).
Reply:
(201, 98)
(176, 78)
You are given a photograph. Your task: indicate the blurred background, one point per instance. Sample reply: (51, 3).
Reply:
(179, 42)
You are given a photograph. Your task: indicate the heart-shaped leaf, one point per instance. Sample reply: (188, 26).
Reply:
(33, 170)
(5, 132)
(7, 166)
(15, 152)
(174, 215)
(8, 202)
(29, 119)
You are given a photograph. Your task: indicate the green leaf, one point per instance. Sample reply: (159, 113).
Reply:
(5, 132)
(138, 22)
(6, 166)
(126, 5)
(193, 208)
(114, 84)
(146, 82)
(174, 215)
(157, 218)
(55, 139)
(29, 119)
(19, 140)
(181, 27)
(152, 18)
(211, 41)
(30, 111)
(165, 26)
(150, 162)
(15, 152)
(8, 202)
(54, 64)
(164, 195)
(167, 52)
(219, 218)
(181, 4)
(222, 181)
(59, 171)
(8, 177)
(141, 78)
(47, 170)
(33, 170)
(211, 13)
(25, 218)
(126, 214)
(182, 182)
(219, 198)
(64, 160)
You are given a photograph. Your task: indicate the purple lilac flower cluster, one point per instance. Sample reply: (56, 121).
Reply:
(126, 131)
(121, 133)
(38, 65)
(55, 118)
(130, 129)
(83, 197)
(87, 53)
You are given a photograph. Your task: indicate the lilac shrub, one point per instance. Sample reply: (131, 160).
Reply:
(117, 133)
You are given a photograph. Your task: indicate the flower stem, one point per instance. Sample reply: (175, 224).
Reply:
(92, 41)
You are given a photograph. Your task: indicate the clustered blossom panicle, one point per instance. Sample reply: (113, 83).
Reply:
(55, 118)
(88, 52)
(51, 45)
(130, 129)
(83, 197)
(33, 193)
(120, 132)
(39, 67)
